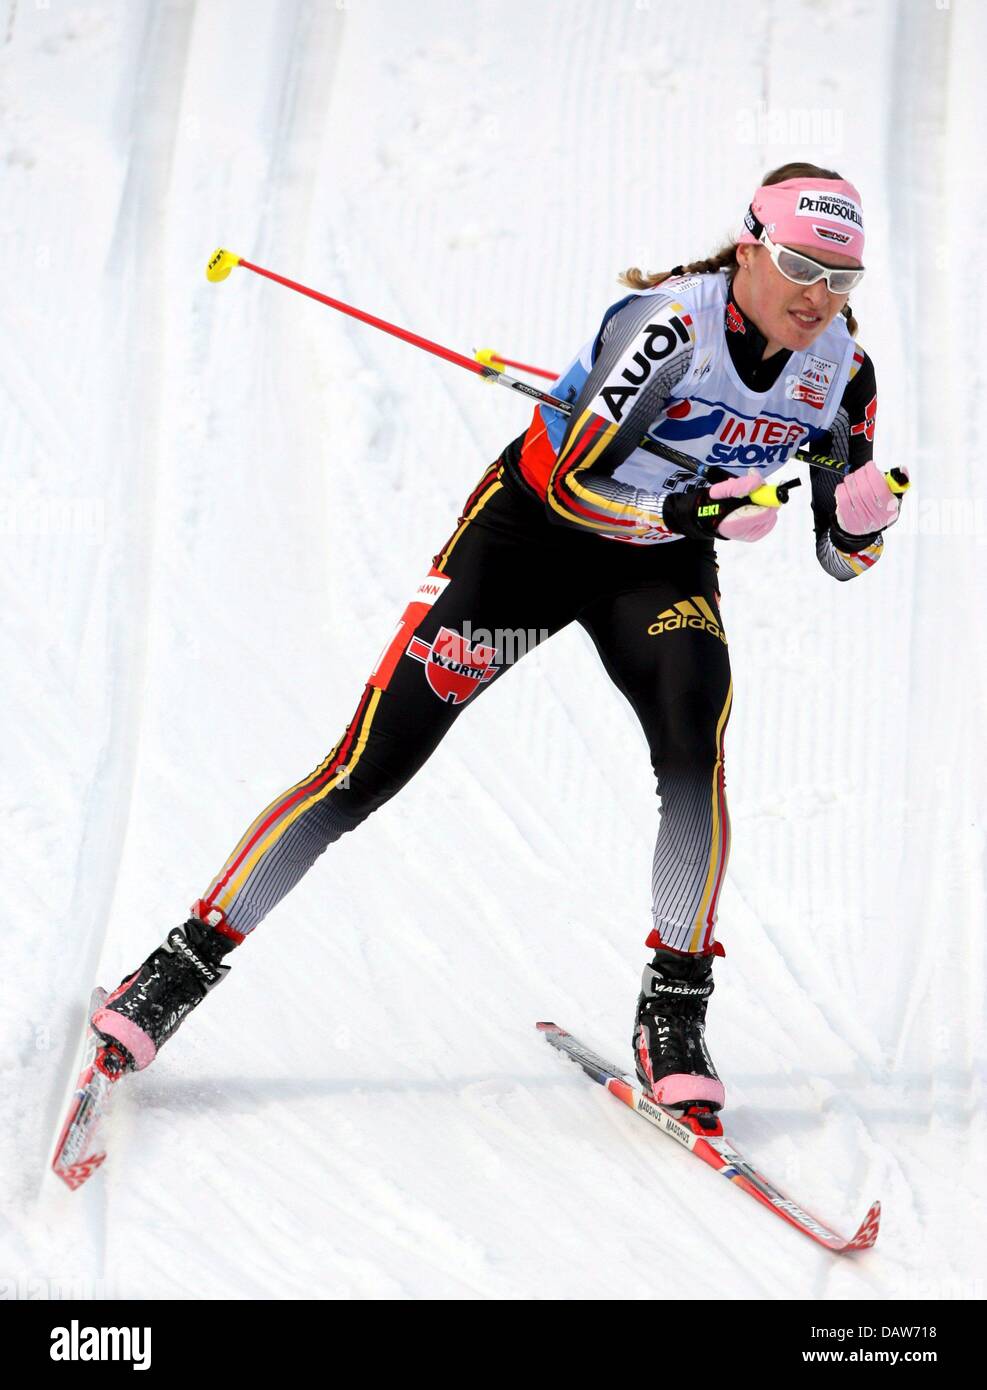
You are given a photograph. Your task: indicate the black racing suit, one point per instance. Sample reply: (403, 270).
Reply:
(508, 578)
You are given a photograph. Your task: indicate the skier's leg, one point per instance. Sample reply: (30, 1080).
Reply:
(662, 641)
(458, 632)
(456, 635)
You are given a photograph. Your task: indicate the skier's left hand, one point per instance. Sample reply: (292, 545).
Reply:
(720, 510)
(864, 502)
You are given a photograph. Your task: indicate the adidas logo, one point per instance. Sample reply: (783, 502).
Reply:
(692, 612)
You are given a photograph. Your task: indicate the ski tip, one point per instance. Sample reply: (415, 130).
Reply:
(549, 1028)
(75, 1174)
(867, 1233)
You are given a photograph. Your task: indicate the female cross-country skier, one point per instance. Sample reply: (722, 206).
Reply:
(734, 362)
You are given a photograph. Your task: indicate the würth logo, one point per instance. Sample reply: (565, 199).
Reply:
(692, 612)
(453, 668)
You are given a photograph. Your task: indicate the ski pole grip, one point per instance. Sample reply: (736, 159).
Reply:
(774, 494)
(221, 262)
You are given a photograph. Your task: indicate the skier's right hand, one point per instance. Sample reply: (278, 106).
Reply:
(720, 511)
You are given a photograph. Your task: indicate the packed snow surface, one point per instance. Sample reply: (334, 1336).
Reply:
(216, 501)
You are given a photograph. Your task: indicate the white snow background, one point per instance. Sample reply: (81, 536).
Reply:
(216, 501)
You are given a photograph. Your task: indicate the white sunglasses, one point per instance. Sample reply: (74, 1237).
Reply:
(803, 270)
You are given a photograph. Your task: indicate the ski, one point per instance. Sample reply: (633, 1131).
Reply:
(699, 1130)
(78, 1153)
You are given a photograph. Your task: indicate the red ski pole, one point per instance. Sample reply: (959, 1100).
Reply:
(222, 262)
(494, 359)
(487, 365)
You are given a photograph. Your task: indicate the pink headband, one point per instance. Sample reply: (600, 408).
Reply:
(808, 212)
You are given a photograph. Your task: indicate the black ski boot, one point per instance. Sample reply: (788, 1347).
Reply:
(669, 1047)
(143, 1012)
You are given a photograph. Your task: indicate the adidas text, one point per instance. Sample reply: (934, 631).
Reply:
(688, 613)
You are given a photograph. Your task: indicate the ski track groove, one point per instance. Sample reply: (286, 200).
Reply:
(915, 149)
(111, 788)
